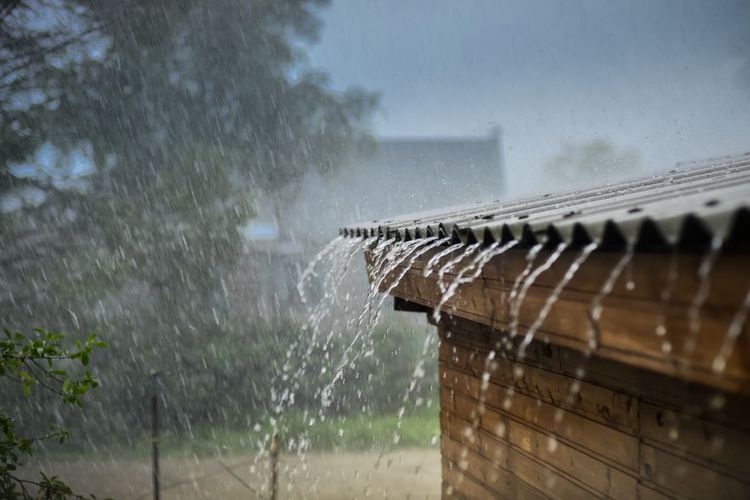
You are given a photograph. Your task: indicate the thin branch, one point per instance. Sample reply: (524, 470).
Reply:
(41, 381)
(46, 371)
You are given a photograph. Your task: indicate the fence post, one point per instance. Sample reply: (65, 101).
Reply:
(155, 433)
(275, 448)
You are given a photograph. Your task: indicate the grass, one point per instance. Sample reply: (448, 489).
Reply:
(356, 433)
(361, 432)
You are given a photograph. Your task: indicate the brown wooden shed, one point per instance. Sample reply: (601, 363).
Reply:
(633, 382)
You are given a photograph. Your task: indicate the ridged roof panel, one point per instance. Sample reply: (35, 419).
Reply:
(686, 209)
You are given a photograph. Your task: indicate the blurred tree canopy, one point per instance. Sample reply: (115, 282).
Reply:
(595, 159)
(142, 84)
(134, 137)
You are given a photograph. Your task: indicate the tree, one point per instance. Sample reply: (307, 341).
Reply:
(38, 360)
(39, 39)
(581, 163)
(181, 111)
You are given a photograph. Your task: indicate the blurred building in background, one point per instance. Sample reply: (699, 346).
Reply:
(399, 175)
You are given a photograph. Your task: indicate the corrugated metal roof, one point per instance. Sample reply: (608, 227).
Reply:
(686, 209)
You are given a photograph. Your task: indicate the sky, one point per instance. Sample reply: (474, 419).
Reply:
(664, 78)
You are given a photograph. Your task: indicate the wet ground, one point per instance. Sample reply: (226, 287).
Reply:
(411, 474)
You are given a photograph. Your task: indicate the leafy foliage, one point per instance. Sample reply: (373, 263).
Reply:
(188, 116)
(40, 360)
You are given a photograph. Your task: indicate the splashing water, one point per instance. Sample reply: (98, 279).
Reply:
(554, 296)
(595, 313)
(433, 244)
(415, 251)
(416, 377)
(395, 257)
(337, 256)
(528, 282)
(704, 288)
(331, 285)
(477, 265)
(735, 329)
(392, 260)
(309, 271)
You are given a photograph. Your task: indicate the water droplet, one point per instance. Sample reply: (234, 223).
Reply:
(552, 444)
(718, 401)
(674, 434)
(500, 429)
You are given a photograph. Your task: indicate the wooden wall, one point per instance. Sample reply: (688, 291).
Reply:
(540, 431)
(631, 314)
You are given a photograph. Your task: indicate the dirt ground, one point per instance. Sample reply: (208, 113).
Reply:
(413, 474)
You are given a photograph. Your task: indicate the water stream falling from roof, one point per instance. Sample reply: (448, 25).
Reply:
(704, 288)
(530, 279)
(530, 259)
(554, 296)
(336, 257)
(451, 266)
(665, 296)
(594, 332)
(310, 269)
(395, 256)
(595, 312)
(735, 329)
(476, 265)
(452, 263)
(428, 269)
(413, 254)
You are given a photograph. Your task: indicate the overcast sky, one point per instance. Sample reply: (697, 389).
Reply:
(662, 77)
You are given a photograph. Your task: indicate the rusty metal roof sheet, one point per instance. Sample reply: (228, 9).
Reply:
(686, 209)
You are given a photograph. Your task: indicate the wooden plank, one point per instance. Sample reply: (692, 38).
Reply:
(649, 273)
(500, 480)
(615, 409)
(455, 330)
(675, 393)
(711, 444)
(645, 492)
(689, 479)
(459, 485)
(571, 463)
(597, 438)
